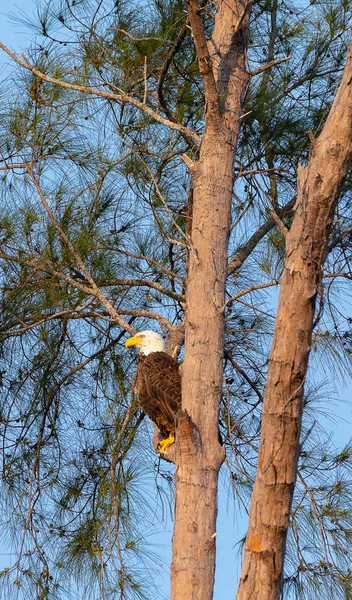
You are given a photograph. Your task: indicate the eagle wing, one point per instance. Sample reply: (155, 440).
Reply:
(159, 386)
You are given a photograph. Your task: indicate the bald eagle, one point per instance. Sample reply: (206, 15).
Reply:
(158, 384)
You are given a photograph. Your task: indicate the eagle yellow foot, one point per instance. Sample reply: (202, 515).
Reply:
(164, 444)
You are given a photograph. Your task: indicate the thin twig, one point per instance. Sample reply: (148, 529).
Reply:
(244, 375)
(143, 39)
(145, 72)
(157, 189)
(248, 290)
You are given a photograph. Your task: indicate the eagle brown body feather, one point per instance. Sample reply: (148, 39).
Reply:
(159, 389)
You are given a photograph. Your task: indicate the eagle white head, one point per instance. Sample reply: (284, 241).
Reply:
(147, 342)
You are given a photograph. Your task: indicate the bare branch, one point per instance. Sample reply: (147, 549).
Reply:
(249, 290)
(284, 230)
(145, 73)
(59, 315)
(149, 260)
(144, 283)
(108, 95)
(259, 171)
(244, 374)
(188, 161)
(147, 314)
(254, 240)
(204, 59)
(269, 65)
(246, 9)
(337, 275)
(81, 365)
(188, 241)
(143, 39)
(339, 238)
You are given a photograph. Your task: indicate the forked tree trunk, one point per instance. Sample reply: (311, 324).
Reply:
(306, 249)
(198, 452)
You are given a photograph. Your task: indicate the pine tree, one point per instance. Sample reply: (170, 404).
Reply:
(150, 179)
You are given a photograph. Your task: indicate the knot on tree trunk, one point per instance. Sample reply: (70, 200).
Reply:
(189, 440)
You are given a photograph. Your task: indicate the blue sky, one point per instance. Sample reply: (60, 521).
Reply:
(231, 526)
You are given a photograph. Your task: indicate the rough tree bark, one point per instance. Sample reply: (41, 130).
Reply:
(306, 247)
(198, 452)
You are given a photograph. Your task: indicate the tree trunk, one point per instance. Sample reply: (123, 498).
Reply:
(306, 248)
(198, 452)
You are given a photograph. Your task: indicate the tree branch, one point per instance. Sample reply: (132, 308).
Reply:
(244, 374)
(246, 9)
(63, 314)
(149, 260)
(204, 59)
(108, 95)
(253, 288)
(269, 65)
(254, 240)
(94, 288)
(159, 88)
(144, 283)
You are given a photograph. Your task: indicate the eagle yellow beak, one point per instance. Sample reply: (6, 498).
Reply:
(133, 341)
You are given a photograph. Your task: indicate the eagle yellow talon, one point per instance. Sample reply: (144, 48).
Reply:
(164, 444)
